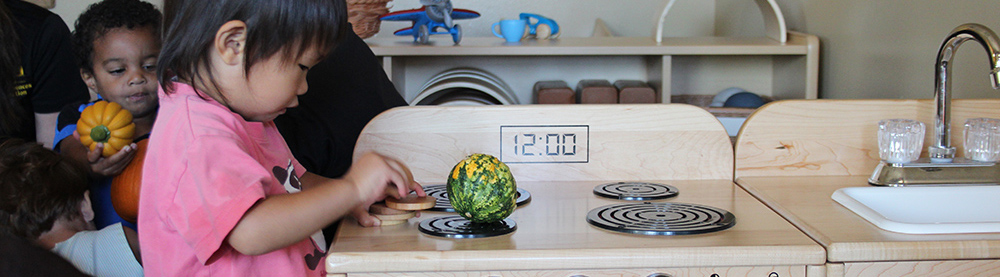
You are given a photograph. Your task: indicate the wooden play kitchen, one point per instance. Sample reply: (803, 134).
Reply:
(644, 190)
(792, 155)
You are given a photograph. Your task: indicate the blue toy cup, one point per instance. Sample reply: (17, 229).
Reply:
(511, 30)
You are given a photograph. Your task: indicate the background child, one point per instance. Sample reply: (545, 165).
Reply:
(43, 198)
(221, 192)
(117, 43)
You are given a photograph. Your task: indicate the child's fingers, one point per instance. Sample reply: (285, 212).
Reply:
(399, 167)
(409, 183)
(116, 163)
(95, 154)
(402, 168)
(399, 181)
(124, 156)
(418, 188)
(396, 177)
(364, 218)
(392, 191)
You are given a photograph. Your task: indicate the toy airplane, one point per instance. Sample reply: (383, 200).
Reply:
(429, 20)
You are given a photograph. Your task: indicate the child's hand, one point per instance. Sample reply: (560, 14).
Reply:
(113, 165)
(375, 177)
(365, 219)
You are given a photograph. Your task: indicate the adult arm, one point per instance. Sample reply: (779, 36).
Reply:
(54, 77)
(45, 128)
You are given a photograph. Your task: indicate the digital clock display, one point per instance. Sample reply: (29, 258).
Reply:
(544, 143)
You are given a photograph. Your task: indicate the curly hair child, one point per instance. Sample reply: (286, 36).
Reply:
(117, 43)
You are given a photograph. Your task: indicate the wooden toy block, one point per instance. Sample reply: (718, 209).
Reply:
(634, 92)
(553, 92)
(594, 91)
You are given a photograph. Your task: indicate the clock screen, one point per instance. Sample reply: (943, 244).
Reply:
(544, 143)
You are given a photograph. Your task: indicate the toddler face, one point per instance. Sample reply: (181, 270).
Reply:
(272, 86)
(124, 69)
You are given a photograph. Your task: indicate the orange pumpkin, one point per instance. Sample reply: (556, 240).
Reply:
(108, 123)
(125, 186)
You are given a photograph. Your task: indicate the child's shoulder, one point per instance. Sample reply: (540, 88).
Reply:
(70, 113)
(66, 121)
(198, 114)
(184, 102)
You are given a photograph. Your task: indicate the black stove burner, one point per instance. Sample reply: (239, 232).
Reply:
(456, 227)
(661, 218)
(444, 205)
(635, 191)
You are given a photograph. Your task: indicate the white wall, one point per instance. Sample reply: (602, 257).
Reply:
(69, 10)
(885, 49)
(870, 48)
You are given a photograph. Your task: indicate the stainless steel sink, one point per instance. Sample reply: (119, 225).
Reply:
(926, 209)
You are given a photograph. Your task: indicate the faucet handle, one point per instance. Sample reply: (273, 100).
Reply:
(995, 76)
(900, 140)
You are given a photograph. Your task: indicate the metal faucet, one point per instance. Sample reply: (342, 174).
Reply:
(941, 150)
(942, 168)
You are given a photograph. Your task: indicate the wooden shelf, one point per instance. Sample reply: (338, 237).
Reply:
(612, 46)
(786, 70)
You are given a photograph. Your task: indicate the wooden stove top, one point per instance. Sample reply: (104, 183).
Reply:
(612, 143)
(552, 233)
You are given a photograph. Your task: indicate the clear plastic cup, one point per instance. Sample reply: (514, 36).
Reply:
(982, 139)
(900, 140)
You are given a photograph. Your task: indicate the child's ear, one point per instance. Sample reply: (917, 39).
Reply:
(85, 208)
(230, 41)
(88, 78)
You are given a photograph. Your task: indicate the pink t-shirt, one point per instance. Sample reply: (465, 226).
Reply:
(205, 167)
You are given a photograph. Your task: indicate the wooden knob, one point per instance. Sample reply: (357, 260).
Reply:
(392, 222)
(411, 203)
(395, 217)
(381, 208)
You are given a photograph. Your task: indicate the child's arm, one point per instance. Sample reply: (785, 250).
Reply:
(360, 212)
(282, 220)
(133, 242)
(99, 166)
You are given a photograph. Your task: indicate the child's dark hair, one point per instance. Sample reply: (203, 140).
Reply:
(37, 187)
(273, 26)
(103, 16)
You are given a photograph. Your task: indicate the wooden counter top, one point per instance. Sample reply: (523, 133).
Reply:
(552, 233)
(806, 202)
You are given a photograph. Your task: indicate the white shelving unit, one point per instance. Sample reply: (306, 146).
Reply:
(688, 65)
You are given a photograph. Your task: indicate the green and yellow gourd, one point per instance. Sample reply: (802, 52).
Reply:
(482, 189)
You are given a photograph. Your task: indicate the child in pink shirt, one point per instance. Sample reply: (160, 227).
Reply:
(221, 193)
